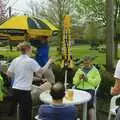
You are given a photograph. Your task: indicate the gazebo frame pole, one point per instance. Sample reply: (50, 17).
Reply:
(66, 72)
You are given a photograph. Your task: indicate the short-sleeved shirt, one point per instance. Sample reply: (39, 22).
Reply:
(57, 112)
(23, 68)
(117, 70)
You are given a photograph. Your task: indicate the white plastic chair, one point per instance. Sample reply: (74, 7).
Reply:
(113, 106)
(96, 90)
(17, 112)
(36, 117)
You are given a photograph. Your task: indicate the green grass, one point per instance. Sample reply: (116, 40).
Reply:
(81, 51)
(9, 54)
(77, 51)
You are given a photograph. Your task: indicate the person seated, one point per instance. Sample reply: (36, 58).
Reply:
(87, 78)
(57, 110)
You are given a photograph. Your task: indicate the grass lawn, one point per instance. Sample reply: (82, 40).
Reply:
(77, 51)
(81, 51)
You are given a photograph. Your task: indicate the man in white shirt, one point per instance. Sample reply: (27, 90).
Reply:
(22, 68)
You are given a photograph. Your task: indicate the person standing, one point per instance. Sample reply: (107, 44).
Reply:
(115, 90)
(23, 68)
(87, 78)
(42, 58)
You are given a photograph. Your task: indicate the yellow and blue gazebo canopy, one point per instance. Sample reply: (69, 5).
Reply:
(22, 26)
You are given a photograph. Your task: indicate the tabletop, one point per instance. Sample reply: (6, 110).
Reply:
(79, 97)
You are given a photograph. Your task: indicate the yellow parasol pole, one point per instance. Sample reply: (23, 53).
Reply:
(67, 57)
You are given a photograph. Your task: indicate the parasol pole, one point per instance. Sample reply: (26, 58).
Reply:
(65, 79)
(66, 41)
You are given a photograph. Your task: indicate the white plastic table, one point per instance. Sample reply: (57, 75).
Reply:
(79, 97)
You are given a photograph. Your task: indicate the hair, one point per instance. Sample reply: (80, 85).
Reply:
(86, 58)
(57, 91)
(23, 47)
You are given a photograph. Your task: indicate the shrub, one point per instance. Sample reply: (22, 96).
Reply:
(107, 81)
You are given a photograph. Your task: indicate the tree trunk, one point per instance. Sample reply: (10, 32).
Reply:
(116, 48)
(109, 35)
(116, 15)
(60, 26)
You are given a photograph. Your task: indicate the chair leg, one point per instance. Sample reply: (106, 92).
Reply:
(95, 109)
(109, 116)
(95, 112)
(17, 111)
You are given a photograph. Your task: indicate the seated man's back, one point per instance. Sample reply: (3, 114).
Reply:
(57, 112)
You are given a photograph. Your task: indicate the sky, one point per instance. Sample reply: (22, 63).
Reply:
(19, 6)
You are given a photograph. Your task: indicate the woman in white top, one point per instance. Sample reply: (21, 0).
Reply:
(23, 68)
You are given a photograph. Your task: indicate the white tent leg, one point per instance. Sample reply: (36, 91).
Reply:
(65, 79)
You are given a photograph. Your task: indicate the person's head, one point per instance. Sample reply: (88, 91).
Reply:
(44, 40)
(24, 47)
(57, 91)
(87, 61)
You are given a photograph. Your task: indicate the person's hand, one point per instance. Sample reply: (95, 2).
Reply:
(83, 77)
(44, 79)
(111, 91)
(114, 91)
(50, 60)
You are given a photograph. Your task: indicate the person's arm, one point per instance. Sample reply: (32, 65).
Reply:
(78, 77)
(37, 68)
(11, 69)
(94, 78)
(9, 74)
(116, 89)
(44, 68)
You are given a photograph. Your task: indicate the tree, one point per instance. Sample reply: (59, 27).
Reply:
(95, 9)
(54, 11)
(90, 33)
(3, 4)
(116, 24)
(109, 35)
(34, 7)
(90, 9)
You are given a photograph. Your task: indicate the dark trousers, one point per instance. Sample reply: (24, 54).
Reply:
(23, 98)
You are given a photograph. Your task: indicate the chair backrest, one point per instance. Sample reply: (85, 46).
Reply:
(113, 101)
(96, 90)
(37, 118)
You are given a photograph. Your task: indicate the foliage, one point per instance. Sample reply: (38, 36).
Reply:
(90, 9)
(90, 32)
(54, 11)
(94, 34)
(9, 55)
(3, 4)
(106, 84)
